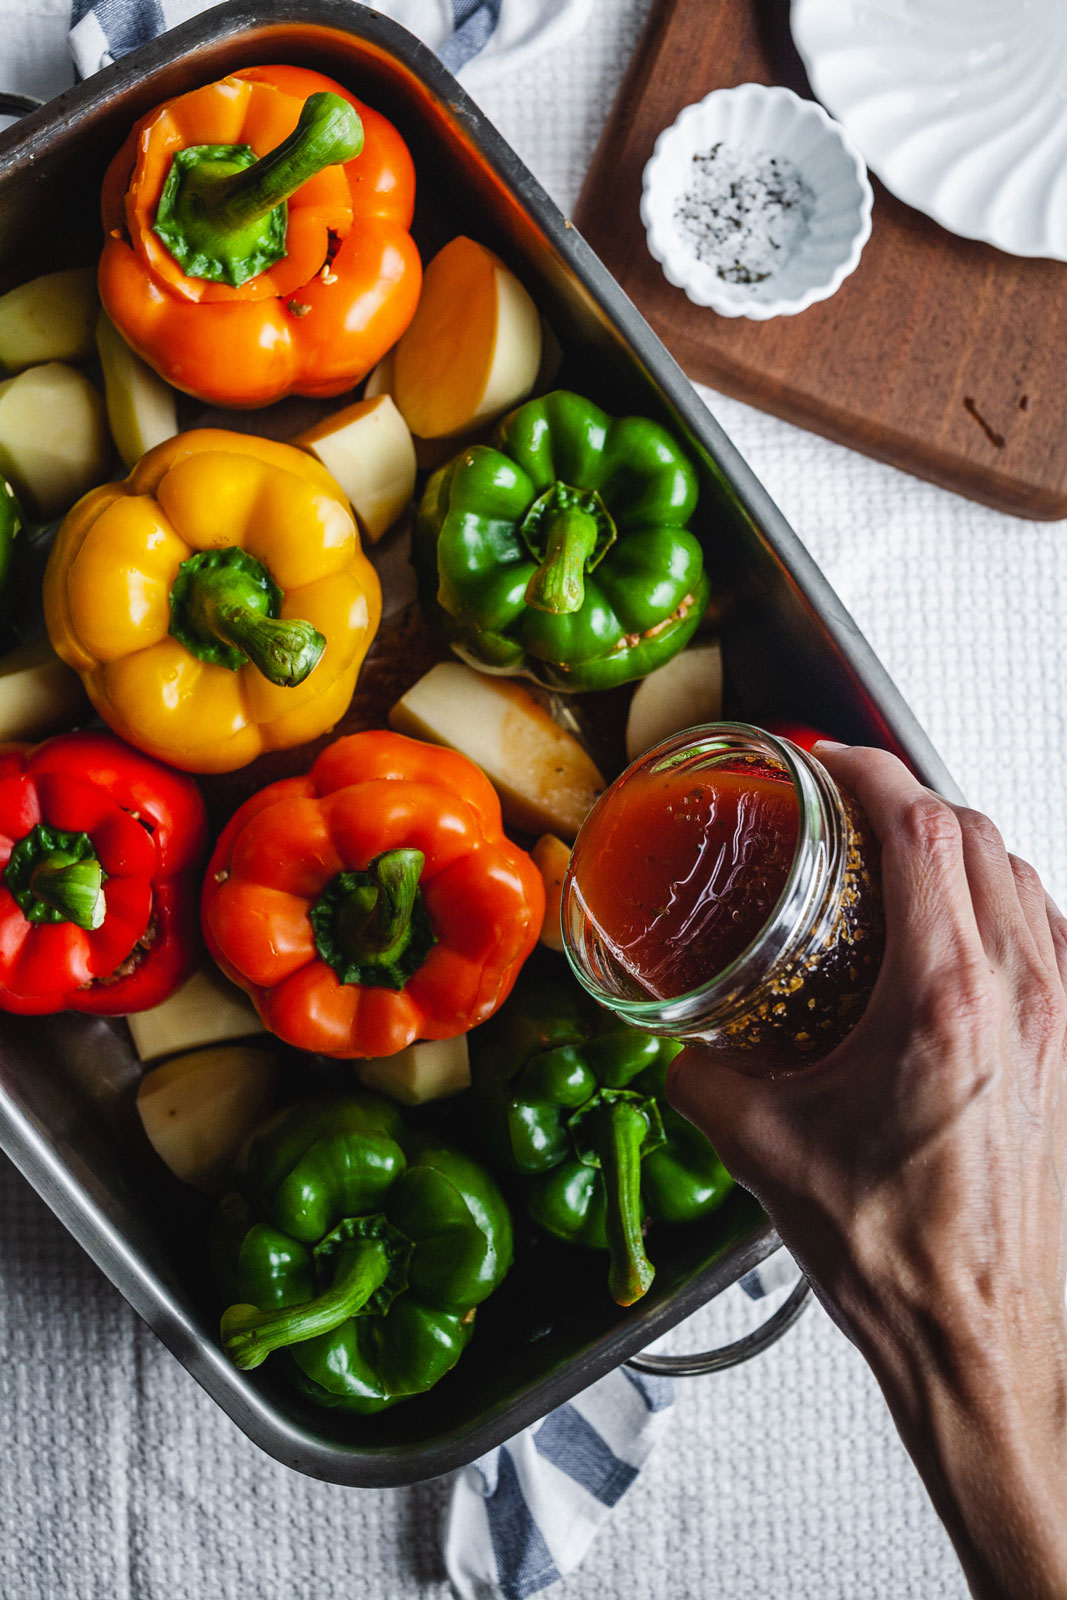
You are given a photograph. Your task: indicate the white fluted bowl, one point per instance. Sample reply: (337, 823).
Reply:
(762, 121)
(959, 106)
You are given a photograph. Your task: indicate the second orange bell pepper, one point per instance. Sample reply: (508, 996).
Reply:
(257, 238)
(374, 901)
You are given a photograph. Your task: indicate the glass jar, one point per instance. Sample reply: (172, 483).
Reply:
(805, 905)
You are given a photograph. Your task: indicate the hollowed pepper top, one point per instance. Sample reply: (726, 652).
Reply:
(257, 238)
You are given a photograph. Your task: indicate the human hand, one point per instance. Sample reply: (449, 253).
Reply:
(917, 1172)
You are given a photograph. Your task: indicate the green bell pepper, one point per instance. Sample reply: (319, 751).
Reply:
(573, 1101)
(561, 550)
(359, 1247)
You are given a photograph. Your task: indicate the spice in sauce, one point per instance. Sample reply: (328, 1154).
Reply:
(743, 212)
(705, 885)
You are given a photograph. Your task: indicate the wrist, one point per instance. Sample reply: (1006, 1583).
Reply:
(979, 1395)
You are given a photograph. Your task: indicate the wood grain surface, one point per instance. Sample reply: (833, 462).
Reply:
(940, 355)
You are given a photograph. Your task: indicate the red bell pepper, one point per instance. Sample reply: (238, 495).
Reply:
(99, 850)
(798, 733)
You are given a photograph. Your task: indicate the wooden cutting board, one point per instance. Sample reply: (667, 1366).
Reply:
(943, 356)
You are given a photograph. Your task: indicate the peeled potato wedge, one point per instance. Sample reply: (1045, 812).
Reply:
(207, 1009)
(473, 348)
(685, 692)
(380, 379)
(54, 439)
(49, 319)
(198, 1109)
(429, 453)
(546, 781)
(551, 858)
(428, 1070)
(368, 448)
(38, 693)
(142, 410)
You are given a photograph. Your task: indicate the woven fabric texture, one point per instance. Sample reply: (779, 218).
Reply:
(783, 1478)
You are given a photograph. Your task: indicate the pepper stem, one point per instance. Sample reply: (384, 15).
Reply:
(71, 886)
(329, 131)
(221, 609)
(284, 650)
(222, 212)
(249, 1334)
(373, 921)
(617, 1132)
(558, 585)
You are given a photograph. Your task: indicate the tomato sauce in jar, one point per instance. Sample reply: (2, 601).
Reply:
(724, 889)
(682, 873)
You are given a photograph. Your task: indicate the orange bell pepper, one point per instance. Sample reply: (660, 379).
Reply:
(374, 901)
(294, 290)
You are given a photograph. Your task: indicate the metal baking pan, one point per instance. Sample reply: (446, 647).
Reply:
(67, 1083)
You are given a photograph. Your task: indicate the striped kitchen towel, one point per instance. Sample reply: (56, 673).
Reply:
(524, 1515)
(489, 34)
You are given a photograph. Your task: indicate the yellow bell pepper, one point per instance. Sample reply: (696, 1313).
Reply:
(217, 603)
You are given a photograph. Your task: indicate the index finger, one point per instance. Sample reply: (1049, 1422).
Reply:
(929, 909)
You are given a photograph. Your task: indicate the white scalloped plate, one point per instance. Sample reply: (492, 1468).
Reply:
(958, 106)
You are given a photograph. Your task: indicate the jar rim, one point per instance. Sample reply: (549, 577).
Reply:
(785, 922)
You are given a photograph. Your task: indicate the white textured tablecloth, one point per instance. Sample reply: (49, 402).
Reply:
(121, 1480)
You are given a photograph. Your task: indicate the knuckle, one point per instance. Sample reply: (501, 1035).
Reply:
(981, 831)
(929, 824)
(1027, 878)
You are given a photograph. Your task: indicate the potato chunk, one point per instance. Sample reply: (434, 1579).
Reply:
(198, 1109)
(551, 858)
(546, 781)
(684, 693)
(54, 439)
(142, 410)
(368, 448)
(38, 693)
(427, 1070)
(473, 348)
(49, 319)
(207, 1009)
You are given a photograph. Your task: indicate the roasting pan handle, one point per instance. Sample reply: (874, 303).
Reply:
(731, 1355)
(17, 105)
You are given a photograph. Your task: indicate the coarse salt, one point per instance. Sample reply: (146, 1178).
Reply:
(743, 212)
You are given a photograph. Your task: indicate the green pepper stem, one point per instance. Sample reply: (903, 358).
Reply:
(70, 886)
(558, 585)
(329, 131)
(373, 921)
(618, 1131)
(225, 603)
(283, 649)
(249, 1334)
(222, 213)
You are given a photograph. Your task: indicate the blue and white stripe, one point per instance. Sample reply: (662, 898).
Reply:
(458, 30)
(524, 1515)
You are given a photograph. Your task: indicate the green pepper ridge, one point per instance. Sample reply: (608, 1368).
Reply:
(562, 549)
(573, 1103)
(359, 1250)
